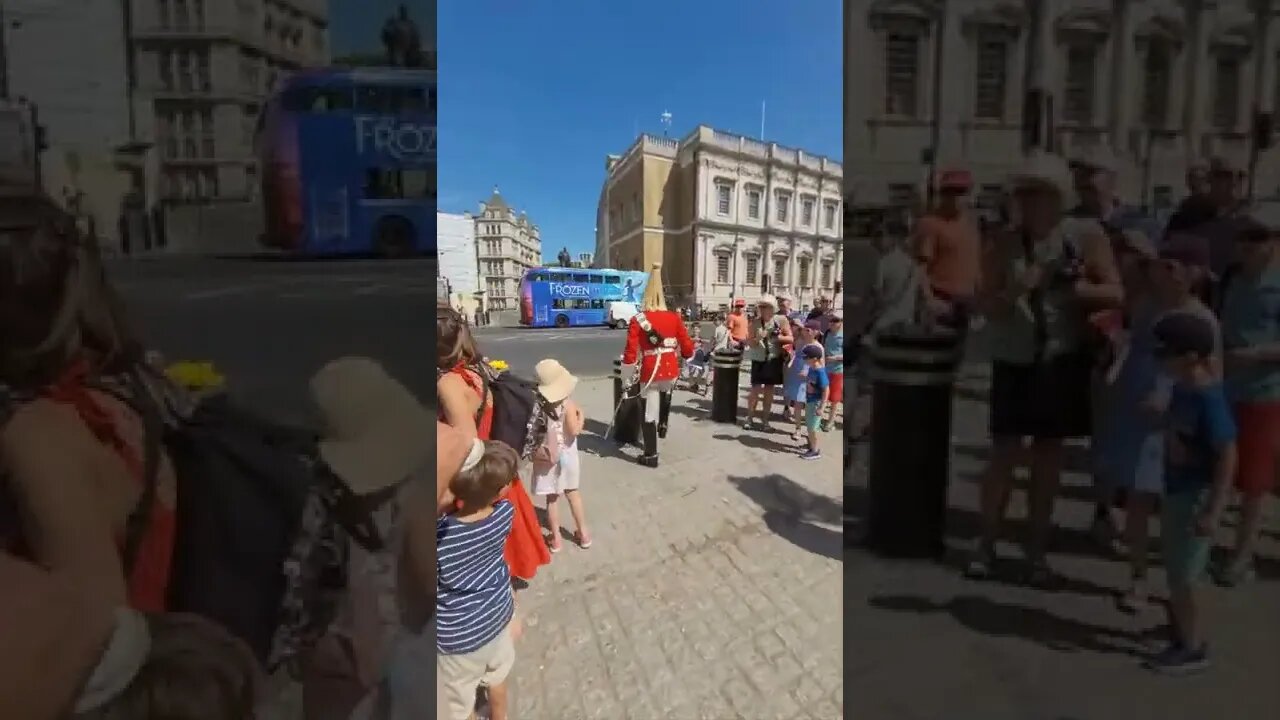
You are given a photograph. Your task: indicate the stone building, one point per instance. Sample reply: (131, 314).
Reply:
(728, 216)
(507, 244)
(931, 84)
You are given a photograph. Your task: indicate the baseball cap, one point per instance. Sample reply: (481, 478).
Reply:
(811, 352)
(960, 180)
(1188, 249)
(1183, 333)
(740, 302)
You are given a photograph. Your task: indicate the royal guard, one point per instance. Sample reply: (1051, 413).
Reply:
(656, 340)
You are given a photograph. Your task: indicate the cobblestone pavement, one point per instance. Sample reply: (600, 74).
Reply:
(923, 643)
(712, 590)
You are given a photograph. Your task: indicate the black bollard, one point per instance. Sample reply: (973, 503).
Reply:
(626, 419)
(727, 365)
(913, 375)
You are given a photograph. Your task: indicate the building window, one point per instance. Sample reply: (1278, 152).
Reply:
(162, 14)
(902, 195)
(1082, 62)
(722, 268)
(804, 272)
(826, 273)
(753, 269)
(724, 198)
(901, 74)
(806, 211)
(1162, 197)
(784, 206)
(166, 70)
(991, 83)
(753, 203)
(1156, 78)
(180, 17)
(1226, 92)
(779, 271)
(829, 215)
(635, 208)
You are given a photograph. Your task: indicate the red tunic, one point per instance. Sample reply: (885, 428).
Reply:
(675, 337)
(525, 550)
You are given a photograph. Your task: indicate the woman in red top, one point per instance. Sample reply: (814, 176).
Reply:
(465, 405)
(73, 456)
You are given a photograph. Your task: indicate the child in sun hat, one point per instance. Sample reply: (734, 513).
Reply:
(556, 467)
(816, 386)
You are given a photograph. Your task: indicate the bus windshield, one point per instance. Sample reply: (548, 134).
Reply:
(349, 163)
(571, 297)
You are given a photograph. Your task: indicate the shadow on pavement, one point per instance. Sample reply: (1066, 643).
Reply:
(1005, 620)
(594, 442)
(760, 443)
(792, 512)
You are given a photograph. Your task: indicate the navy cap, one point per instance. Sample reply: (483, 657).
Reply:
(1184, 333)
(811, 352)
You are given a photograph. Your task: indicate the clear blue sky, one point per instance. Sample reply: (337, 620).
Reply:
(355, 26)
(534, 95)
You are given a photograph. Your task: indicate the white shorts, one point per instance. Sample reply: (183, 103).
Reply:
(562, 476)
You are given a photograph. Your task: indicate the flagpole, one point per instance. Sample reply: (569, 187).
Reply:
(762, 121)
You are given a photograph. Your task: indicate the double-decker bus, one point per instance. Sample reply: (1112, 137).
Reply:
(570, 297)
(348, 160)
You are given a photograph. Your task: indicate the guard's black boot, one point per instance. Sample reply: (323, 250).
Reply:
(664, 413)
(649, 431)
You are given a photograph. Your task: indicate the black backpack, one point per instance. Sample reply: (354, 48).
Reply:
(518, 419)
(262, 525)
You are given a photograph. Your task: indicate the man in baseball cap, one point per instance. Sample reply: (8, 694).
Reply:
(1094, 179)
(948, 249)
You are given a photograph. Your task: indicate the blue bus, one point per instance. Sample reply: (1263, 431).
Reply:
(571, 297)
(348, 160)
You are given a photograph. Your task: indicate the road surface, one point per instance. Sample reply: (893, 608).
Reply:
(269, 325)
(586, 352)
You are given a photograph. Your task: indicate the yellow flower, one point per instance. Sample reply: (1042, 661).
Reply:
(195, 375)
(498, 365)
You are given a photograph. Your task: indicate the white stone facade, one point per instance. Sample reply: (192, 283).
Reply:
(507, 244)
(456, 249)
(762, 209)
(1164, 83)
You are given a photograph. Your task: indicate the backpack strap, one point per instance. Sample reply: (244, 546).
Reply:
(73, 390)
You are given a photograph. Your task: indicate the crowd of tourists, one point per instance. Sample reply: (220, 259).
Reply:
(800, 354)
(167, 554)
(1160, 345)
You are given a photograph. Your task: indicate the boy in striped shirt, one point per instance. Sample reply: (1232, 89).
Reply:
(474, 601)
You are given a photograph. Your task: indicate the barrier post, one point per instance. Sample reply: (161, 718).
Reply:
(913, 374)
(724, 385)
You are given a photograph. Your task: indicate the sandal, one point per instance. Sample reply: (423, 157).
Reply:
(577, 537)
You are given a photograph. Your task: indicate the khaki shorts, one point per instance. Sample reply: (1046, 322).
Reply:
(458, 676)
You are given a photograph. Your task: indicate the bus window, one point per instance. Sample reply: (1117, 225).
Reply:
(581, 304)
(597, 304)
(612, 280)
(383, 184)
(391, 100)
(317, 100)
(557, 304)
(541, 277)
(595, 279)
(581, 278)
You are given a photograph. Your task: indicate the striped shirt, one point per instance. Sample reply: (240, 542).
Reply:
(473, 586)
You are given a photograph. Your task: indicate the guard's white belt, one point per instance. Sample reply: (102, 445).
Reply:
(658, 351)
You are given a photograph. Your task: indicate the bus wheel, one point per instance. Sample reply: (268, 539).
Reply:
(562, 321)
(393, 238)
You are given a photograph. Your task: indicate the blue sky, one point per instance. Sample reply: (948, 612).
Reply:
(355, 26)
(534, 95)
